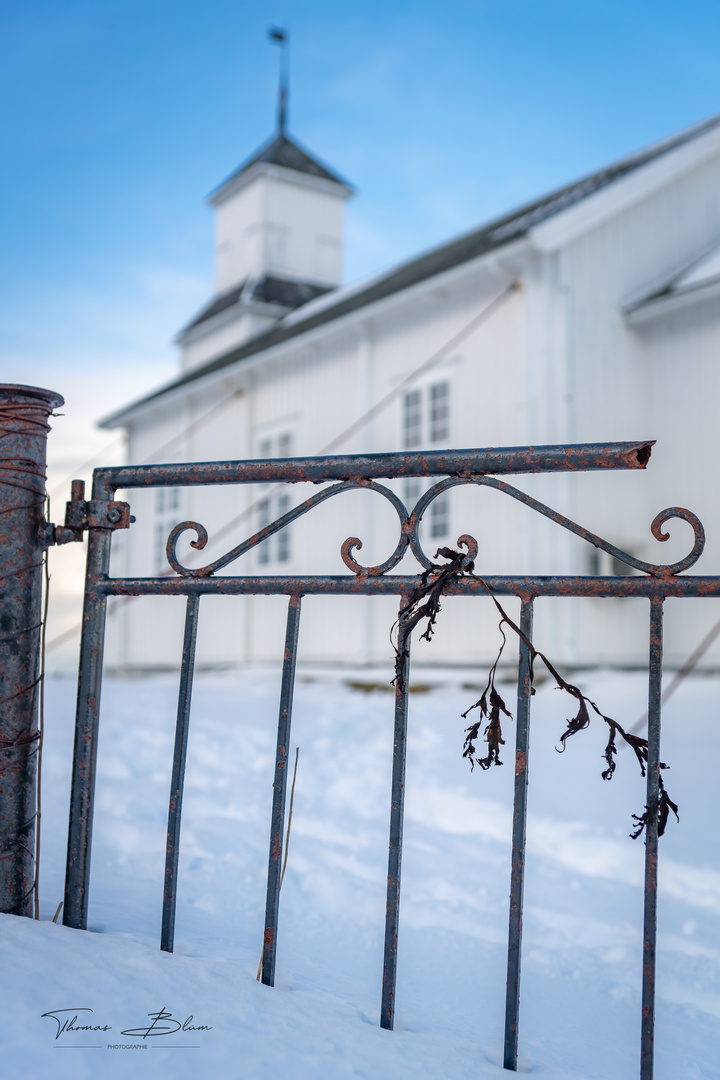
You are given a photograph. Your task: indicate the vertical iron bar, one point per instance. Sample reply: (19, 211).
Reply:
(397, 800)
(517, 876)
(172, 850)
(651, 839)
(279, 791)
(82, 794)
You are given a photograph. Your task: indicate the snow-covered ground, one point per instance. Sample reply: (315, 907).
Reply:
(580, 1001)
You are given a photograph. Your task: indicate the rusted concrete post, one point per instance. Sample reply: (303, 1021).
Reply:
(24, 412)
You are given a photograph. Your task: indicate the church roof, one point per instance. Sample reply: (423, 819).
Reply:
(705, 271)
(495, 234)
(285, 152)
(267, 289)
(696, 281)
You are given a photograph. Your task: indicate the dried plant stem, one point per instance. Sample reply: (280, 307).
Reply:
(424, 602)
(287, 847)
(57, 911)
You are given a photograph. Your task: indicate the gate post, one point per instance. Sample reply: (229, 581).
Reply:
(24, 412)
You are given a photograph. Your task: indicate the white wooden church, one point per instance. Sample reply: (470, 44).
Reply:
(590, 315)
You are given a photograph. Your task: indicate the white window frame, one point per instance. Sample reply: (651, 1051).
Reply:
(273, 505)
(426, 414)
(437, 520)
(168, 504)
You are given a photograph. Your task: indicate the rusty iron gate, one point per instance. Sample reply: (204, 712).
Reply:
(102, 514)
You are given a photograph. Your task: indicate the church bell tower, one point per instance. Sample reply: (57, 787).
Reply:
(278, 241)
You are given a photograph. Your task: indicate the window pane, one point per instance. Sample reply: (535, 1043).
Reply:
(618, 568)
(284, 445)
(412, 419)
(160, 544)
(265, 449)
(440, 516)
(439, 412)
(413, 489)
(263, 511)
(283, 539)
(594, 562)
(275, 246)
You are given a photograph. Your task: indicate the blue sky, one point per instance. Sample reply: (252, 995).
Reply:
(119, 116)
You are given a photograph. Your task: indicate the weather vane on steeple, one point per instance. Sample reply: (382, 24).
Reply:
(282, 38)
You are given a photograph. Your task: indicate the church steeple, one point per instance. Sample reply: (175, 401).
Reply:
(282, 38)
(281, 213)
(278, 237)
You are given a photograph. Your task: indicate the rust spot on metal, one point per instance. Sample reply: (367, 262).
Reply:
(643, 453)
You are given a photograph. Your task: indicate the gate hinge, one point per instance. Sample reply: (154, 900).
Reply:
(82, 514)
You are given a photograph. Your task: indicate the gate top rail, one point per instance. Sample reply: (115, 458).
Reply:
(581, 457)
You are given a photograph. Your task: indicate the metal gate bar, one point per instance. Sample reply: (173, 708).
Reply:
(277, 822)
(82, 792)
(495, 460)
(177, 782)
(397, 807)
(517, 873)
(651, 840)
(546, 586)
